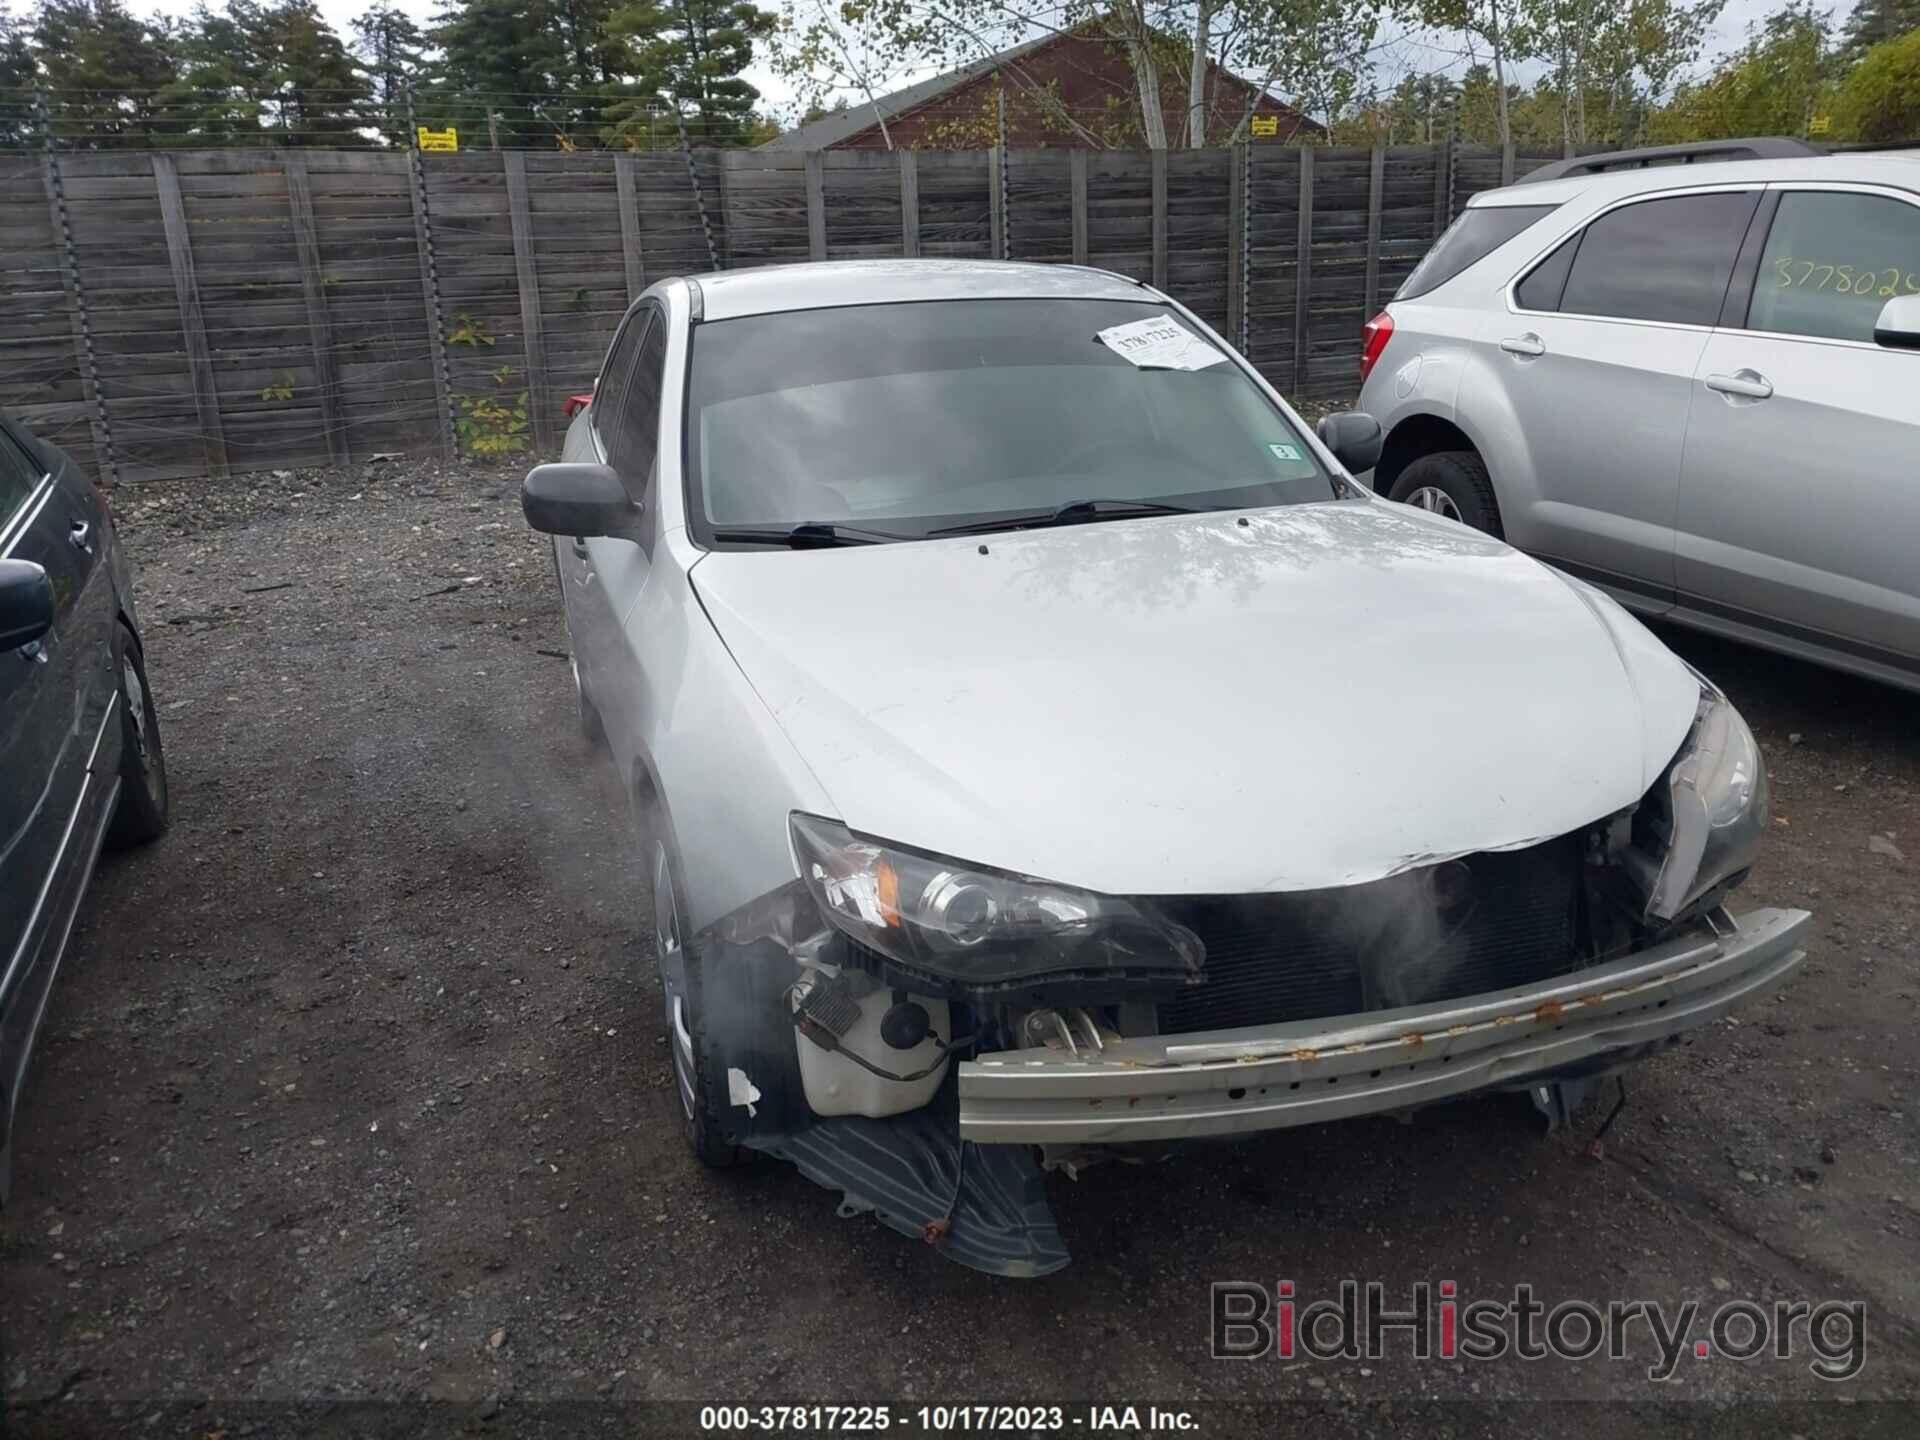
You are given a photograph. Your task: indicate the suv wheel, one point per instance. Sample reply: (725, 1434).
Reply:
(1453, 483)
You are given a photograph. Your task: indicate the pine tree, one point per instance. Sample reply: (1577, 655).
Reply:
(692, 52)
(1874, 22)
(215, 98)
(102, 70)
(392, 51)
(19, 79)
(265, 73)
(319, 95)
(505, 58)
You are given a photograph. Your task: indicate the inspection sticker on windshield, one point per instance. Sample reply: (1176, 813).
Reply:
(1283, 452)
(1160, 344)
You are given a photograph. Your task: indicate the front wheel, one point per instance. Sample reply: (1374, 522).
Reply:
(141, 814)
(1453, 483)
(693, 1079)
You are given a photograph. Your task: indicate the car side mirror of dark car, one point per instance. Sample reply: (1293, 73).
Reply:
(1355, 438)
(26, 603)
(1898, 327)
(578, 499)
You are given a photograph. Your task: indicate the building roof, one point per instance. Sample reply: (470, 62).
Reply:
(842, 125)
(857, 118)
(729, 294)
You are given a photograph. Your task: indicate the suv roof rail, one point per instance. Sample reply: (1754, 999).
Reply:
(1765, 147)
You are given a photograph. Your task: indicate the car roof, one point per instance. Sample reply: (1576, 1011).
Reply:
(1899, 168)
(769, 289)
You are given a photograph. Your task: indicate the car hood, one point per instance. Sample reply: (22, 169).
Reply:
(1291, 699)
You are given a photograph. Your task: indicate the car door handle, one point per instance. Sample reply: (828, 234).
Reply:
(1528, 344)
(77, 536)
(1750, 384)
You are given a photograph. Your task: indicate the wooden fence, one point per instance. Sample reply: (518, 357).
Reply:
(180, 314)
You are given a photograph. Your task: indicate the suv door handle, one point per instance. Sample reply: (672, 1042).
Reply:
(77, 535)
(1527, 344)
(1750, 384)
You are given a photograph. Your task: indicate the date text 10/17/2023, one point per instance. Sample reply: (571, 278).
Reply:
(932, 1419)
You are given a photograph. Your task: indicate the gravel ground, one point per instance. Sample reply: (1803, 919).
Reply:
(354, 1087)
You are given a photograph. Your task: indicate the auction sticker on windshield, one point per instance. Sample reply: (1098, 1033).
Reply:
(1160, 344)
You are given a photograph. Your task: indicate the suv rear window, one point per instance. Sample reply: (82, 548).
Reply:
(1477, 233)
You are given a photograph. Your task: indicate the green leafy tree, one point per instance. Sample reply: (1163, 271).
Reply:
(1314, 50)
(1772, 85)
(1418, 111)
(392, 51)
(1612, 64)
(102, 70)
(1880, 98)
(1500, 29)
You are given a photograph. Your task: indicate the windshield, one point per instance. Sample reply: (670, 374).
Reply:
(913, 418)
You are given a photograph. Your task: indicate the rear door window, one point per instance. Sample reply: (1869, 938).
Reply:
(1832, 260)
(1480, 230)
(1667, 260)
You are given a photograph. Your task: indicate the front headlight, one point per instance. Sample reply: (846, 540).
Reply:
(962, 923)
(1717, 808)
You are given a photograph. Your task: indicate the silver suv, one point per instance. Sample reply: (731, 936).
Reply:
(1697, 385)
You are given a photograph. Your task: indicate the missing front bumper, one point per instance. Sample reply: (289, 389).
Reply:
(1233, 1082)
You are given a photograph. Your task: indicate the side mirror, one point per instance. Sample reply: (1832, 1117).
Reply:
(1354, 438)
(581, 500)
(26, 603)
(1898, 327)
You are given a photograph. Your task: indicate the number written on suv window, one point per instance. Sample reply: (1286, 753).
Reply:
(1831, 261)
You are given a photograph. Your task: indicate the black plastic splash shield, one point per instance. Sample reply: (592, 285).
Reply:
(903, 1170)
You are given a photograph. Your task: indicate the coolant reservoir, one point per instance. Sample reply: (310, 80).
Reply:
(835, 1085)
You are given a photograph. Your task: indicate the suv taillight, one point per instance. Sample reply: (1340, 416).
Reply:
(1373, 342)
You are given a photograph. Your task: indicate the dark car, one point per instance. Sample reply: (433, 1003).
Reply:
(80, 763)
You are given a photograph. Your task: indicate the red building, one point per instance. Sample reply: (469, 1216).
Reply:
(1072, 89)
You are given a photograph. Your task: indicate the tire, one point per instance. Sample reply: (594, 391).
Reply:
(141, 814)
(700, 1102)
(1453, 483)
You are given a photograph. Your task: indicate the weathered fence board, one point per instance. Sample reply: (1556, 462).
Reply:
(251, 309)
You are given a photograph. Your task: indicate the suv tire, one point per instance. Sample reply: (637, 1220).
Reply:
(1453, 483)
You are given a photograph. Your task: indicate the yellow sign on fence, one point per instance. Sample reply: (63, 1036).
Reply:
(1819, 125)
(447, 139)
(1264, 127)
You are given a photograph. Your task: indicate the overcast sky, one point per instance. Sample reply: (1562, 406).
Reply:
(1727, 33)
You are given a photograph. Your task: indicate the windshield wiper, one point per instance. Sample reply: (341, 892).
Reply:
(809, 535)
(1076, 512)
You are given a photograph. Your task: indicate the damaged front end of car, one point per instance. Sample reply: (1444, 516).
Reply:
(926, 1035)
